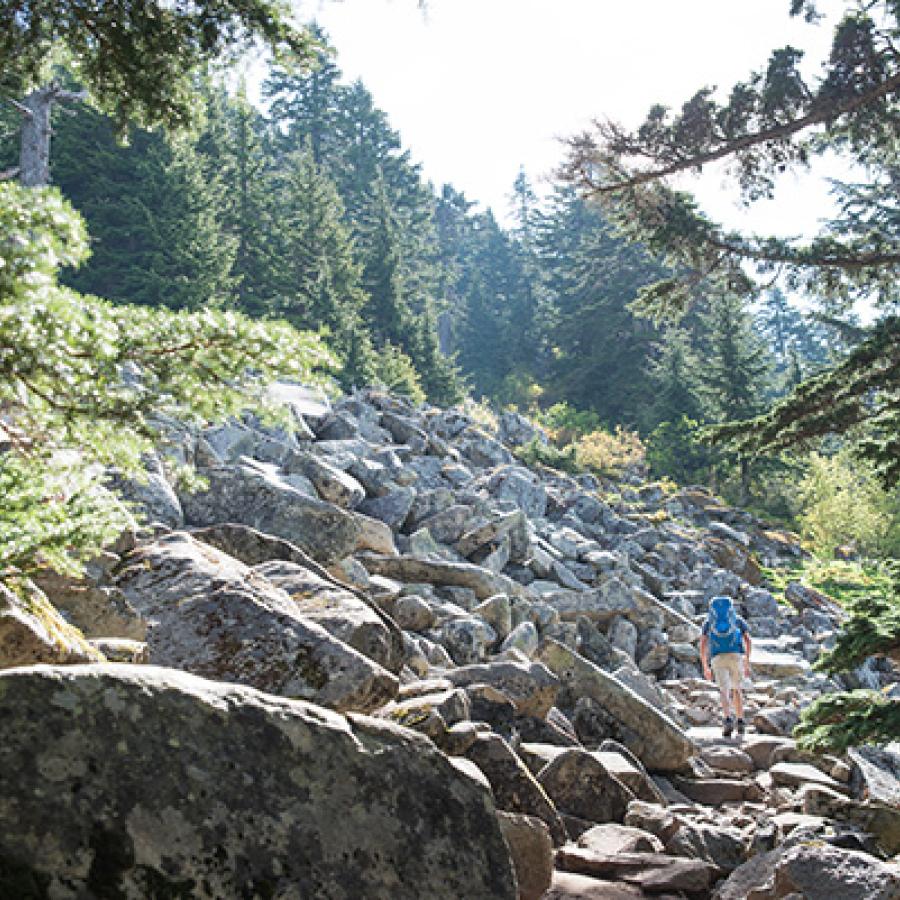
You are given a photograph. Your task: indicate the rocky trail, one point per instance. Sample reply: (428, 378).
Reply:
(376, 656)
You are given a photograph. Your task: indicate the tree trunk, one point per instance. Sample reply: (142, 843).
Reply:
(34, 155)
(34, 152)
(744, 463)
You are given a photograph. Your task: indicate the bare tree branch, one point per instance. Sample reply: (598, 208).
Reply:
(24, 110)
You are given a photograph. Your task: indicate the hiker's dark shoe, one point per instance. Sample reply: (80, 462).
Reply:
(741, 727)
(727, 727)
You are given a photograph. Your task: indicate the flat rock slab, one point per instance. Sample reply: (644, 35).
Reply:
(570, 886)
(778, 665)
(650, 871)
(483, 582)
(712, 791)
(789, 774)
(648, 733)
(136, 781)
(728, 759)
(761, 748)
(612, 838)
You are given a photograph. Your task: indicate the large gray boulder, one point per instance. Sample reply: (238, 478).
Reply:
(253, 548)
(813, 870)
(141, 782)
(515, 788)
(647, 732)
(333, 607)
(580, 785)
(211, 615)
(522, 487)
(258, 498)
(532, 687)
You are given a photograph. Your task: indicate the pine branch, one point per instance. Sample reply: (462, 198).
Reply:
(865, 387)
(618, 143)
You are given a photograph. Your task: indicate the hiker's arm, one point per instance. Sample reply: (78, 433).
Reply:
(748, 646)
(704, 656)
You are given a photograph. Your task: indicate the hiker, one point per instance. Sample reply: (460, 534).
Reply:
(725, 648)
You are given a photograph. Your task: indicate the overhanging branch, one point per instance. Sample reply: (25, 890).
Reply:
(785, 130)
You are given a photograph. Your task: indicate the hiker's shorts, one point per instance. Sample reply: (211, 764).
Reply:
(728, 669)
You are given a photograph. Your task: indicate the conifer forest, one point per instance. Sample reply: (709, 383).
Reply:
(518, 443)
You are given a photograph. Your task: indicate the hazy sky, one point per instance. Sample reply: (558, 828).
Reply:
(478, 88)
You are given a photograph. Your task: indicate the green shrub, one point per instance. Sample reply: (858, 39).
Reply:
(535, 452)
(394, 370)
(673, 450)
(843, 503)
(565, 424)
(608, 453)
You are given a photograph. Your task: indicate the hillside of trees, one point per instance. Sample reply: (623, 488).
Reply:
(306, 207)
(292, 233)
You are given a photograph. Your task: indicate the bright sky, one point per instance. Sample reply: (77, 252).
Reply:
(478, 88)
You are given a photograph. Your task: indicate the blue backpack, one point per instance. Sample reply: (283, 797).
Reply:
(723, 629)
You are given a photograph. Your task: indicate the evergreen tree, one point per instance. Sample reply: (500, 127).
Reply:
(488, 285)
(155, 215)
(528, 303)
(368, 150)
(777, 321)
(233, 148)
(439, 375)
(735, 362)
(778, 119)
(453, 236)
(388, 314)
(140, 59)
(674, 376)
(600, 349)
(302, 105)
(318, 281)
(188, 260)
(735, 369)
(61, 387)
(525, 210)
(799, 343)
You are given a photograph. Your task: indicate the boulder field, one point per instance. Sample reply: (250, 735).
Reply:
(374, 655)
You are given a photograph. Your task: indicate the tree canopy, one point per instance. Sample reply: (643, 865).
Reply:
(775, 120)
(139, 58)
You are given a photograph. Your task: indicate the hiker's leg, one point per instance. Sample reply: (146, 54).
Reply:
(738, 701)
(725, 683)
(726, 701)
